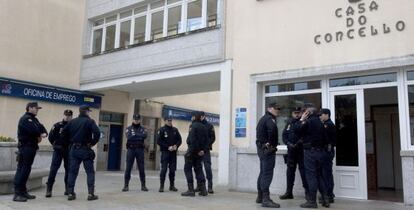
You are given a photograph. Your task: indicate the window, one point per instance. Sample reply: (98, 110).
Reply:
(174, 20)
(139, 30)
(98, 22)
(172, 1)
(293, 87)
(194, 15)
(363, 80)
(157, 4)
(211, 13)
(125, 33)
(410, 75)
(110, 37)
(110, 19)
(157, 19)
(125, 14)
(97, 41)
(288, 103)
(411, 109)
(140, 9)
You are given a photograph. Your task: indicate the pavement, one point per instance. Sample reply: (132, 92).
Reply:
(109, 185)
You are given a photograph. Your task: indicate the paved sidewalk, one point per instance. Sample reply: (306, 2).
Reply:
(109, 184)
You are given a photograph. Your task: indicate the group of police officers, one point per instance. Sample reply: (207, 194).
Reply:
(73, 139)
(310, 137)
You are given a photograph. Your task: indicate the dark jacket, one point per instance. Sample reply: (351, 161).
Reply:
(330, 132)
(81, 130)
(168, 136)
(312, 132)
(211, 133)
(29, 130)
(290, 137)
(197, 139)
(136, 134)
(55, 137)
(266, 130)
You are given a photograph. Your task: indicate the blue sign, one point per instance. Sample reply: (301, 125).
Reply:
(185, 114)
(46, 93)
(241, 122)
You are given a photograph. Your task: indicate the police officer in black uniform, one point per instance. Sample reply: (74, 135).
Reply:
(83, 134)
(169, 140)
(330, 133)
(136, 134)
(313, 133)
(267, 141)
(60, 153)
(207, 155)
(29, 133)
(198, 145)
(294, 157)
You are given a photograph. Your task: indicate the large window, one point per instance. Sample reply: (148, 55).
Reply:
(194, 15)
(410, 78)
(147, 22)
(288, 102)
(363, 80)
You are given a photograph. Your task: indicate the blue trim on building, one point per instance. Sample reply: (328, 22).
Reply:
(185, 114)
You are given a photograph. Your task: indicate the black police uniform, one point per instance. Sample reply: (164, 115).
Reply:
(266, 133)
(83, 133)
(294, 158)
(168, 136)
(314, 143)
(136, 134)
(207, 155)
(330, 132)
(28, 133)
(60, 153)
(197, 141)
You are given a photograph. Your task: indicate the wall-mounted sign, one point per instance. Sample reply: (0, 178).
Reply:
(37, 92)
(241, 122)
(185, 114)
(356, 20)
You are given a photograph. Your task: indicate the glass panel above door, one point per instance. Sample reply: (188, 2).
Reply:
(293, 87)
(363, 80)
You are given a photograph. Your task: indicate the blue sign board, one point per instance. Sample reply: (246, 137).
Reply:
(47, 93)
(185, 114)
(241, 122)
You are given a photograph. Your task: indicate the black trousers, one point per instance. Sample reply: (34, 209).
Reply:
(207, 167)
(294, 159)
(77, 156)
(168, 161)
(59, 155)
(267, 166)
(24, 167)
(194, 161)
(132, 155)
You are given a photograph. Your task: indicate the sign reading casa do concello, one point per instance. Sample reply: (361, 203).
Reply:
(356, 19)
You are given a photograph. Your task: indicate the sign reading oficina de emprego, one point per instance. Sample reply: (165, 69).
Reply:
(356, 20)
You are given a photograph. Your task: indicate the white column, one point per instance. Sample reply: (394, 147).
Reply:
(225, 123)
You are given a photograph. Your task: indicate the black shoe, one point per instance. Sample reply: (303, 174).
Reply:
(66, 193)
(309, 205)
(71, 196)
(286, 196)
(259, 198)
(92, 197)
(173, 189)
(125, 189)
(144, 188)
(190, 192)
(267, 202)
(19, 198)
(161, 189)
(48, 194)
(28, 196)
(197, 189)
(331, 199)
(203, 190)
(210, 190)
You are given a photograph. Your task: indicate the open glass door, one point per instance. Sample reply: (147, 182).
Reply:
(350, 172)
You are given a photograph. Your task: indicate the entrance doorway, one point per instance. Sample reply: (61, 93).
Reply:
(384, 170)
(151, 124)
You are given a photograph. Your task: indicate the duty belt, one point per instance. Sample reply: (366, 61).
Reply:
(135, 146)
(80, 146)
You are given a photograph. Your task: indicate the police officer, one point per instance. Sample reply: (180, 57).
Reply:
(169, 140)
(136, 134)
(313, 133)
(267, 141)
(330, 133)
(60, 153)
(29, 133)
(294, 157)
(198, 145)
(207, 155)
(83, 133)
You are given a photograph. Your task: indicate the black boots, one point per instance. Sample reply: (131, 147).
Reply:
(49, 190)
(172, 187)
(126, 188)
(144, 187)
(161, 187)
(190, 192)
(210, 188)
(203, 190)
(91, 195)
(19, 198)
(267, 202)
(324, 200)
(71, 196)
(259, 198)
(28, 196)
(287, 195)
(310, 202)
